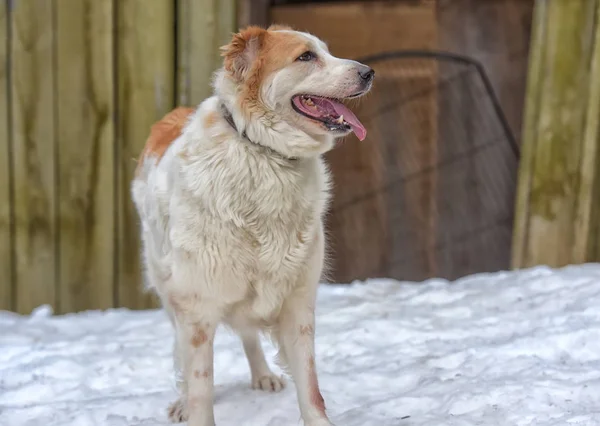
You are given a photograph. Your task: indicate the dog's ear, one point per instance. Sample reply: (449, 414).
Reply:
(240, 54)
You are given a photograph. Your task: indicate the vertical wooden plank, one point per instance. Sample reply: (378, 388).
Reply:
(558, 103)
(203, 26)
(558, 154)
(32, 105)
(184, 40)
(534, 89)
(253, 12)
(85, 138)
(496, 33)
(6, 285)
(145, 93)
(421, 117)
(226, 26)
(594, 242)
(586, 220)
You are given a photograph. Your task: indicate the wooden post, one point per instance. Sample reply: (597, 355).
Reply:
(586, 236)
(34, 152)
(6, 285)
(558, 178)
(253, 12)
(146, 57)
(86, 169)
(203, 26)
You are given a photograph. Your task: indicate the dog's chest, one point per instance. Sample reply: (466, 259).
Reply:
(280, 243)
(277, 235)
(279, 222)
(253, 230)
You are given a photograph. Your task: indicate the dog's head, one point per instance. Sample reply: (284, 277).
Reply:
(285, 90)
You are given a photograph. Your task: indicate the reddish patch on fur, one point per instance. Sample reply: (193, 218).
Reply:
(316, 398)
(205, 374)
(199, 337)
(163, 133)
(307, 330)
(254, 53)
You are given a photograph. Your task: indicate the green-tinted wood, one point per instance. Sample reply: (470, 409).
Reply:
(146, 92)
(529, 133)
(6, 284)
(589, 197)
(203, 26)
(563, 105)
(226, 26)
(34, 152)
(594, 243)
(553, 186)
(202, 48)
(183, 78)
(85, 131)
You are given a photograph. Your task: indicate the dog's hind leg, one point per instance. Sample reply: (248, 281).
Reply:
(156, 279)
(178, 409)
(262, 376)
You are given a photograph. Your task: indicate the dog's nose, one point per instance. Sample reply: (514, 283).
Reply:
(366, 73)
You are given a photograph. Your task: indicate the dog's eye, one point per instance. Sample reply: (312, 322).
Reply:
(306, 56)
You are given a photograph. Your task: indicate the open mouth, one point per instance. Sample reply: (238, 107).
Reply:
(334, 115)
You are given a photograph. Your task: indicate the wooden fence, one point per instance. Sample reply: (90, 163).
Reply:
(558, 204)
(83, 80)
(81, 83)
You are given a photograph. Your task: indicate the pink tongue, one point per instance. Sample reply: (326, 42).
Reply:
(349, 117)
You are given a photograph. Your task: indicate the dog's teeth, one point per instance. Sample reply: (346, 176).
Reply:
(341, 119)
(309, 102)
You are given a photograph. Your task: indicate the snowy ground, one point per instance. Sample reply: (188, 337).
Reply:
(501, 349)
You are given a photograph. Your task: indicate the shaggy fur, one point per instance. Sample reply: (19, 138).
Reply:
(231, 197)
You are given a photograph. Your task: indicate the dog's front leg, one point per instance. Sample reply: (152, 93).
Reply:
(197, 337)
(297, 340)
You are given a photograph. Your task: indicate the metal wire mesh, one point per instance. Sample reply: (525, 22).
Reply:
(431, 192)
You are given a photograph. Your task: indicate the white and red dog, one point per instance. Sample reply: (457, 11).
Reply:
(231, 197)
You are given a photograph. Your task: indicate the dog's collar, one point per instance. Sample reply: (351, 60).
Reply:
(229, 118)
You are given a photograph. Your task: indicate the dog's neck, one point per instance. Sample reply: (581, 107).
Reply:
(260, 125)
(229, 118)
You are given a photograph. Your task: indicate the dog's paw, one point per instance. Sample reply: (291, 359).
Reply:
(269, 383)
(178, 411)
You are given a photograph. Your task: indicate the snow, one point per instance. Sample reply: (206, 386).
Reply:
(518, 348)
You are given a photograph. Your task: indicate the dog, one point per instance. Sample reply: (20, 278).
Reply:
(231, 197)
